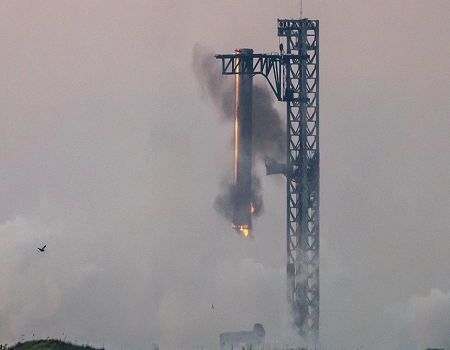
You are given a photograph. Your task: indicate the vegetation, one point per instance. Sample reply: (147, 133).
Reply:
(49, 344)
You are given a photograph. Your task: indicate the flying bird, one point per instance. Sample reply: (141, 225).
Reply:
(42, 249)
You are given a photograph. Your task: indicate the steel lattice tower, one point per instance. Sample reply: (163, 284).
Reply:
(301, 63)
(293, 75)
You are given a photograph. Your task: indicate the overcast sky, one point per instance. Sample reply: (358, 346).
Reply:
(112, 154)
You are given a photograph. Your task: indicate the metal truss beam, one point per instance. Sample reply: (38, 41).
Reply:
(267, 65)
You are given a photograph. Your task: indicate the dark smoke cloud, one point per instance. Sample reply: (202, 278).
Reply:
(268, 135)
(224, 202)
(208, 72)
(268, 127)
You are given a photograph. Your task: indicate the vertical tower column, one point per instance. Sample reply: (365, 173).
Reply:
(301, 62)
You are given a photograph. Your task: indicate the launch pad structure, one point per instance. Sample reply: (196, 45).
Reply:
(293, 75)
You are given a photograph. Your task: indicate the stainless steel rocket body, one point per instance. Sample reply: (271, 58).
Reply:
(243, 141)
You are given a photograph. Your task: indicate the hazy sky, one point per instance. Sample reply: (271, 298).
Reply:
(112, 154)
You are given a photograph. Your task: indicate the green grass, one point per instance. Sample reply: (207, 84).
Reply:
(49, 344)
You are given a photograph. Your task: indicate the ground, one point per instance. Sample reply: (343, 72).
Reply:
(49, 344)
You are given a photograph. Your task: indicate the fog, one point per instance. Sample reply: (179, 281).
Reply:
(113, 154)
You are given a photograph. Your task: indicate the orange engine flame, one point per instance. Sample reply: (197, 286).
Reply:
(242, 229)
(235, 148)
(252, 209)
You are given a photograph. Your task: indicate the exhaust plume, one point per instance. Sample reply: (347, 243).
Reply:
(268, 135)
(224, 202)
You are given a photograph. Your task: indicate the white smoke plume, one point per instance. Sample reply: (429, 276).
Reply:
(428, 321)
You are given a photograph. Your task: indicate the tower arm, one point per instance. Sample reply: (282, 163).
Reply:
(267, 65)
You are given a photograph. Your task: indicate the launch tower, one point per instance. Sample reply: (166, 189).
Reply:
(301, 63)
(293, 75)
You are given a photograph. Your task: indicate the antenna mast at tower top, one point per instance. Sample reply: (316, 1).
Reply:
(301, 9)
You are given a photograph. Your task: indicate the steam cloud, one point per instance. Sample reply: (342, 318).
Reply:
(268, 135)
(428, 320)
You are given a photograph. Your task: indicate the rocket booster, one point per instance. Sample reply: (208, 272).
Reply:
(243, 142)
